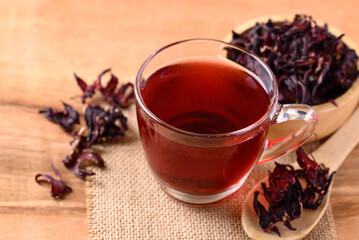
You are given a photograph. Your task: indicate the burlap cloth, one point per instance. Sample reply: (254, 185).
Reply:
(125, 202)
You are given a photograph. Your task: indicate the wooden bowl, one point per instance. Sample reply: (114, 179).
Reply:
(330, 117)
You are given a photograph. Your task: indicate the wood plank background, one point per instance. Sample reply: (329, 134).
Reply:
(42, 42)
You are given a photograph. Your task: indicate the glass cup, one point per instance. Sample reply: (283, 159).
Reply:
(197, 162)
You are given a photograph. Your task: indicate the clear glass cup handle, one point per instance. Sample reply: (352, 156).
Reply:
(287, 112)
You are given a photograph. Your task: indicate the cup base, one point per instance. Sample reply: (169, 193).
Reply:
(199, 199)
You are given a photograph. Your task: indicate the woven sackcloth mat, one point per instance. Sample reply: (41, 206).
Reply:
(125, 202)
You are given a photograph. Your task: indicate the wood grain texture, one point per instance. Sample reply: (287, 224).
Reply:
(43, 42)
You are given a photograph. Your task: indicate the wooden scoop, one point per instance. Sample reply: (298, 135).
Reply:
(332, 154)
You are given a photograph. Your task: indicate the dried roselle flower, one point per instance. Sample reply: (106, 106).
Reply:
(65, 118)
(283, 196)
(279, 182)
(92, 113)
(74, 162)
(125, 95)
(88, 90)
(266, 220)
(104, 125)
(108, 91)
(78, 155)
(311, 168)
(58, 188)
(317, 178)
(311, 65)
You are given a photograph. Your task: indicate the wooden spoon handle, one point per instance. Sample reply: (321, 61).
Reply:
(335, 150)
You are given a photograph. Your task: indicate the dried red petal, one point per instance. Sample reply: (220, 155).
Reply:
(98, 82)
(279, 182)
(317, 178)
(65, 118)
(82, 84)
(88, 90)
(283, 196)
(78, 155)
(58, 188)
(266, 220)
(108, 91)
(125, 95)
(75, 162)
(332, 101)
(308, 198)
(310, 167)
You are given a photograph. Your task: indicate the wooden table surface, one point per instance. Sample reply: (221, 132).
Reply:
(43, 42)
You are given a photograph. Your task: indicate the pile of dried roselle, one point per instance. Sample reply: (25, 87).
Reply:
(311, 65)
(101, 125)
(285, 195)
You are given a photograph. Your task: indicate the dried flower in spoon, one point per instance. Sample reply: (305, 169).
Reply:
(317, 178)
(285, 195)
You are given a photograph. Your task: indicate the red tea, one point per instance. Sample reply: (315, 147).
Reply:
(203, 96)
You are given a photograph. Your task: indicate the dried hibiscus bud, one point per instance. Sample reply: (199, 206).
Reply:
(78, 156)
(283, 196)
(104, 125)
(123, 97)
(65, 118)
(88, 90)
(279, 182)
(317, 178)
(74, 161)
(58, 188)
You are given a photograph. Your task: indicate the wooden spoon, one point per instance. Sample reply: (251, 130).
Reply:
(332, 154)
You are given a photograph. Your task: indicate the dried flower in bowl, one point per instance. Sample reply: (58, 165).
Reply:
(314, 63)
(311, 65)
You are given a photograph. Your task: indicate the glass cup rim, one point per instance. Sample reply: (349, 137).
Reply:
(269, 113)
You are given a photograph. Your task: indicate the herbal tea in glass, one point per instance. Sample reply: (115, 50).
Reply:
(206, 96)
(203, 119)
